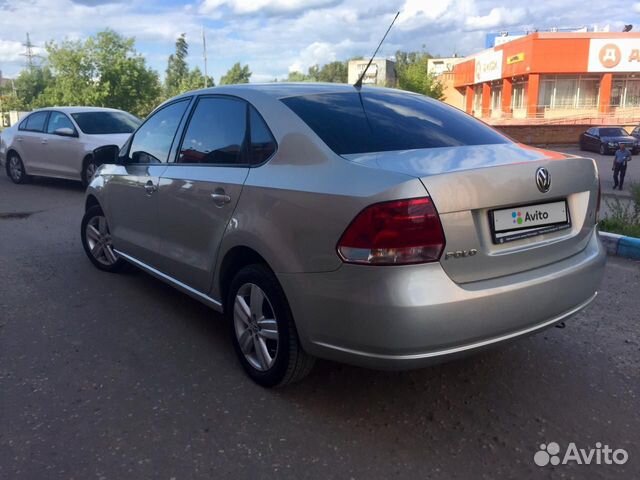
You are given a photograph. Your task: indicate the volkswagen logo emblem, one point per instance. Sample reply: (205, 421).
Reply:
(543, 179)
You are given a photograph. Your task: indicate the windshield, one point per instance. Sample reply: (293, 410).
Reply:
(613, 132)
(387, 120)
(101, 123)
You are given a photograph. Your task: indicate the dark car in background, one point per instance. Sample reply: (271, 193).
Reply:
(606, 140)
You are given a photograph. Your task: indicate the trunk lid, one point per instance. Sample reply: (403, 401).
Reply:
(467, 183)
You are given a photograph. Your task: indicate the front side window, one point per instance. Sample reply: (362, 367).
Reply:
(59, 120)
(216, 133)
(152, 142)
(105, 123)
(383, 120)
(35, 122)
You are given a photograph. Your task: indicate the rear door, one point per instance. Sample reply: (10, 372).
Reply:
(132, 189)
(63, 153)
(31, 142)
(199, 191)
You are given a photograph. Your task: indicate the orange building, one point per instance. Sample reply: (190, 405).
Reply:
(553, 75)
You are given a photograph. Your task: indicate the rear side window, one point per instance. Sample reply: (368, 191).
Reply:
(263, 145)
(152, 141)
(216, 133)
(35, 122)
(383, 120)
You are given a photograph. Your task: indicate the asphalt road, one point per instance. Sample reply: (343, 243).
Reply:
(121, 377)
(605, 162)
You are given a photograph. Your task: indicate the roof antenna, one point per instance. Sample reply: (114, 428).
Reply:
(358, 84)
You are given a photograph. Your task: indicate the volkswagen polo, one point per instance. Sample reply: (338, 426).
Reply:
(369, 226)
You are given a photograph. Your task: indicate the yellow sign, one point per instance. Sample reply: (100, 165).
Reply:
(518, 57)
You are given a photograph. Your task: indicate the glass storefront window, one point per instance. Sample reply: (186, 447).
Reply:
(588, 92)
(567, 92)
(632, 96)
(477, 100)
(617, 93)
(519, 95)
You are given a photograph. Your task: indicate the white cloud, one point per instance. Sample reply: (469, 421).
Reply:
(497, 17)
(10, 51)
(243, 7)
(274, 36)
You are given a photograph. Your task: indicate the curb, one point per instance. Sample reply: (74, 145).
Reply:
(621, 245)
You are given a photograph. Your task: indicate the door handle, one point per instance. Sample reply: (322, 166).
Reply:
(149, 187)
(19, 139)
(43, 140)
(220, 198)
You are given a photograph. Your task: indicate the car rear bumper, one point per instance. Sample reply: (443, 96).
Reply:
(411, 316)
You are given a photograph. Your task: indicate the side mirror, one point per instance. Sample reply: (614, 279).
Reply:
(106, 154)
(65, 132)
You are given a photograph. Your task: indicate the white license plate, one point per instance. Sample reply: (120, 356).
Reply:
(529, 220)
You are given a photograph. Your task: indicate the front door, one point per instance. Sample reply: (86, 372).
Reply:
(63, 154)
(198, 193)
(133, 187)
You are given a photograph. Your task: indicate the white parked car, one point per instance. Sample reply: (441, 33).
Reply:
(59, 141)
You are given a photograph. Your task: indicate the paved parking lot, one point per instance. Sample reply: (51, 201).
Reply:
(605, 162)
(121, 377)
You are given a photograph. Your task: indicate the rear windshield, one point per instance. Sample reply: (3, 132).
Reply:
(383, 120)
(613, 132)
(100, 123)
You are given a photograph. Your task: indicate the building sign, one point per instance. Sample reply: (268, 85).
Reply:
(614, 55)
(518, 57)
(488, 66)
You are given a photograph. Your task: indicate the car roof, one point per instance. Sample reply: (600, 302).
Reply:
(78, 109)
(279, 90)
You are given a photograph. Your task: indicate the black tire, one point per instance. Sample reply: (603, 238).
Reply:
(18, 174)
(603, 149)
(92, 214)
(290, 363)
(88, 168)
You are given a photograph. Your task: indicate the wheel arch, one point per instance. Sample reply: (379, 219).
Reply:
(235, 259)
(91, 201)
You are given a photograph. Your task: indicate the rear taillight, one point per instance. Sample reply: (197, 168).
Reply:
(394, 233)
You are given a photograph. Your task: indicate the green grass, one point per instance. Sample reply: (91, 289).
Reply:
(614, 225)
(624, 217)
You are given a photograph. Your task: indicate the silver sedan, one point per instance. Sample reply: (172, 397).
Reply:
(374, 227)
(59, 141)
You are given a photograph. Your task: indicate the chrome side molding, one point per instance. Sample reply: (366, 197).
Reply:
(192, 292)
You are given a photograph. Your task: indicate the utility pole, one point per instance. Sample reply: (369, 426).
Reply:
(204, 55)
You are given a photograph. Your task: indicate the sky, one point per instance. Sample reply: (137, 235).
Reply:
(278, 36)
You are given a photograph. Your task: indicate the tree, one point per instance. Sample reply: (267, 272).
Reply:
(25, 89)
(411, 70)
(334, 72)
(177, 69)
(236, 74)
(105, 71)
(179, 78)
(297, 77)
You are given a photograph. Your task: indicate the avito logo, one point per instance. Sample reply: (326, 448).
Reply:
(529, 217)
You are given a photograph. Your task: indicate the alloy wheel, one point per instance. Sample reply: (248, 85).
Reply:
(255, 326)
(99, 241)
(15, 168)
